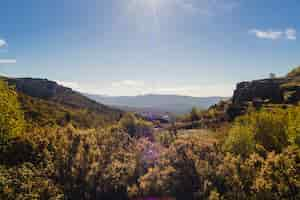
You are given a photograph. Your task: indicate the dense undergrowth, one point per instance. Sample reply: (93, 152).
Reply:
(259, 158)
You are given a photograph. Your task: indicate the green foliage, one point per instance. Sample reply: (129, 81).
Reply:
(26, 182)
(182, 169)
(279, 176)
(52, 93)
(293, 125)
(135, 127)
(11, 117)
(69, 163)
(94, 164)
(195, 114)
(42, 113)
(261, 158)
(165, 138)
(273, 177)
(240, 140)
(266, 128)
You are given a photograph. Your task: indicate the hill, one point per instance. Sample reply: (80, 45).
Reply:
(281, 92)
(47, 103)
(265, 92)
(157, 103)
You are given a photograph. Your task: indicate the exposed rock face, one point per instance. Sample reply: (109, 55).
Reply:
(41, 88)
(265, 89)
(258, 93)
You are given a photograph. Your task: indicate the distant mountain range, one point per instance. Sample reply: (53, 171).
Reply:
(157, 103)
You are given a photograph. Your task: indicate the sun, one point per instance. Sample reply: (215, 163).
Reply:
(150, 16)
(146, 5)
(147, 14)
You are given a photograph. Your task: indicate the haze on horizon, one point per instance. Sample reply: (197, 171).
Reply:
(134, 47)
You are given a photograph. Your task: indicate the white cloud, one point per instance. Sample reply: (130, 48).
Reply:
(127, 83)
(207, 7)
(138, 87)
(8, 61)
(289, 34)
(272, 35)
(2, 43)
(199, 90)
(70, 84)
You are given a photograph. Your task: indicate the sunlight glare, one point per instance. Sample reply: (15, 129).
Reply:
(147, 13)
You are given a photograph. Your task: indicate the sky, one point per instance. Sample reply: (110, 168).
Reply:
(135, 47)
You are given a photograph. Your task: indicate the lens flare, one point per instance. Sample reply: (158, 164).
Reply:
(147, 13)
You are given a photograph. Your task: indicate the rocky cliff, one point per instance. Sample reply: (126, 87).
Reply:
(269, 90)
(284, 90)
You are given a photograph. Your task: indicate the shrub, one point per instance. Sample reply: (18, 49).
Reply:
(136, 127)
(279, 176)
(264, 128)
(11, 117)
(27, 182)
(195, 114)
(240, 140)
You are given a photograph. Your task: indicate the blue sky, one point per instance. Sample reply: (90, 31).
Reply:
(130, 47)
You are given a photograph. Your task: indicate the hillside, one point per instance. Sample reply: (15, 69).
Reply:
(158, 103)
(135, 159)
(269, 93)
(46, 103)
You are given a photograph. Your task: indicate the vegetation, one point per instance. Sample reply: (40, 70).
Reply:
(294, 73)
(47, 104)
(64, 154)
(11, 118)
(135, 127)
(42, 113)
(268, 130)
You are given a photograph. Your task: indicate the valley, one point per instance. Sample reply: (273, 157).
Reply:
(149, 100)
(59, 144)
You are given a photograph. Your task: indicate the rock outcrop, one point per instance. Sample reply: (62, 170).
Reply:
(265, 92)
(260, 90)
(40, 88)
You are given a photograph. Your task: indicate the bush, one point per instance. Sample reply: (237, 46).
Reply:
(279, 176)
(195, 114)
(136, 127)
(27, 182)
(94, 164)
(266, 129)
(11, 117)
(240, 140)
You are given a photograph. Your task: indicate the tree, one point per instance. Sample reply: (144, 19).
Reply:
(128, 123)
(136, 127)
(194, 115)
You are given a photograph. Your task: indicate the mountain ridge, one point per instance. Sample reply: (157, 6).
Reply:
(158, 102)
(46, 102)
